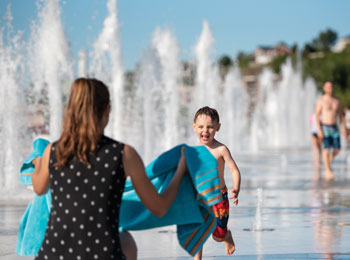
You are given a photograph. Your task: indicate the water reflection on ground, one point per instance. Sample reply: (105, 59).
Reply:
(301, 216)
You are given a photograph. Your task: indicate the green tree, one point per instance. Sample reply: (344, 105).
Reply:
(325, 40)
(276, 63)
(243, 59)
(295, 48)
(309, 48)
(333, 67)
(225, 63)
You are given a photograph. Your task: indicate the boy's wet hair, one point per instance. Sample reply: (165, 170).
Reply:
(208, 111)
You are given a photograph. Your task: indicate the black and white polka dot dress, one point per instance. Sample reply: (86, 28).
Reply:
(84, 216)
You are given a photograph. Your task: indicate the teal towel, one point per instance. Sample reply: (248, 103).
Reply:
(191, 210)
(27, 168)
(32, 225)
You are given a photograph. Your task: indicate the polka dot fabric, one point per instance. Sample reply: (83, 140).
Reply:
(84, 215)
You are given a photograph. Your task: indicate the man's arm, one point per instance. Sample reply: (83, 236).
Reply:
(318, 113)
(236, 175)
(342, 120)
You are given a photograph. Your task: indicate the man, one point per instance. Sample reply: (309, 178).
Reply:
(328, 110)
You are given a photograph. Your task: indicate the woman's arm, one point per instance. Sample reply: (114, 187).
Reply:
(41, 176)
(157, 203)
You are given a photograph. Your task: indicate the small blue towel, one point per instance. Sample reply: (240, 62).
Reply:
(191, 210)
(27, 168)
(32, 225)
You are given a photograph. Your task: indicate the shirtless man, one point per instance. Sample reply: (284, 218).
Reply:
(329, 108)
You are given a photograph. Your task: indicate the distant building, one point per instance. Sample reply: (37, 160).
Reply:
(281, 49)
(265, 54)
(341, 44)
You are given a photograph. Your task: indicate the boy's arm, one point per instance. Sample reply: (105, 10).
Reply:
(236, 175)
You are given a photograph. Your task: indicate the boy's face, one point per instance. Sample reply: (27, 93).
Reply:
(205, 129)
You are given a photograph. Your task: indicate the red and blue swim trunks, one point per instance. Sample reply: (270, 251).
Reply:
(221, 211)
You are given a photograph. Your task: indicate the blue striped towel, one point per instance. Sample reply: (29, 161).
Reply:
(191, 210)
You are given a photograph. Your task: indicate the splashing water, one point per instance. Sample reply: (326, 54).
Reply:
(167, 48)
(152, 114)
(234, 107)
(157, 95)
(106, 65)
(207, 75)
(280, 119)
(11, 73)
(50, 64)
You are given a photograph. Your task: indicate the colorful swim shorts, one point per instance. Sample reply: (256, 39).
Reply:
(331, 136)
(221, 211)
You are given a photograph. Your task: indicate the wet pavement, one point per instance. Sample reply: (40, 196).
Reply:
(285, 211)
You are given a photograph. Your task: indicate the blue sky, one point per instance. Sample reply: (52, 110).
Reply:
(237, 25)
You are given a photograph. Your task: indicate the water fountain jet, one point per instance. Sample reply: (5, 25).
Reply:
(257, 225)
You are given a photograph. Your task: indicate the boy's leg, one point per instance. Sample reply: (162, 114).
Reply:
(198, 256)
(222, 233)
(229, 243)
(217, 239)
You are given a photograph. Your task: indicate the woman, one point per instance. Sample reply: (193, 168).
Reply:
(316, 141)
(86, 173)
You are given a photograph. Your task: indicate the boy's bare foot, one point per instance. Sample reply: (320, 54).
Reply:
(229, 243)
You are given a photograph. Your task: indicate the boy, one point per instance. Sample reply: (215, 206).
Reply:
(206, 124)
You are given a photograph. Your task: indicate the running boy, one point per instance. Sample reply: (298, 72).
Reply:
(206, 123)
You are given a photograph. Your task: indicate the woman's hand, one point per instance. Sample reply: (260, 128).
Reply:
(36, 161)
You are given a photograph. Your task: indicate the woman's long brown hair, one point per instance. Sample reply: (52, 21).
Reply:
(88, 101)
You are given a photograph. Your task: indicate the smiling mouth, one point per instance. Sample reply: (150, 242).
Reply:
(205, 137)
